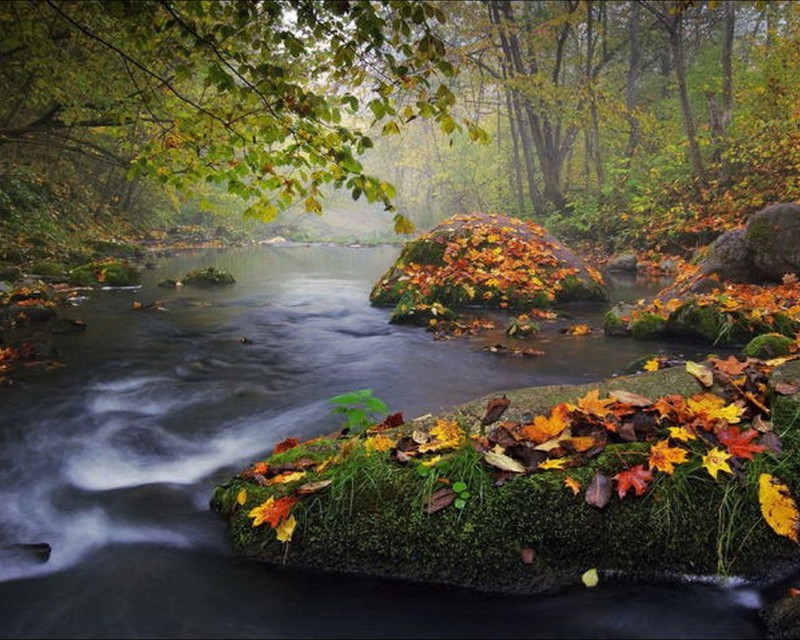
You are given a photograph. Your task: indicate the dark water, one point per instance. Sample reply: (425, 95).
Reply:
(112, 460)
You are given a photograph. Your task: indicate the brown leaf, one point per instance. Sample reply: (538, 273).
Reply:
(787, 388)
(528, 555)
(527, 455)
(627, 432)
(312, 487)
(502, 435)
(772, 443)
(759, 424)
(598, 493)
(439, 499)
(494, 409)
(731, 366)
(628, 397)
(285, 445)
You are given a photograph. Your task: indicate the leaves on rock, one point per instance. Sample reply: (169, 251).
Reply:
(637, 478)
(598, 493)
(703, 374)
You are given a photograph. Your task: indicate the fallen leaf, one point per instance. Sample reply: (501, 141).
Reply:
(502, 461)
(439, 499)
(494, 409)
(664, 458)
(651, 365)
(732, 366)
(285, 445)
(778, 507)
(628, 397)
(591, 404)
(598, 493)
(285, 478)
(272, 511)
(793, 592)
(312, 487)
(590, 578)
(787, 388)
(715, 461)
(573, 484)
(241, 497)
(379, 443)
(683, 434)
(637, 478)
(446, 435)
(553, 463)
(703, 374)
(740, 443)
(285, 529)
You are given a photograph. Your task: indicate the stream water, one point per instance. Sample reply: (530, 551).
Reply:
(112, 460)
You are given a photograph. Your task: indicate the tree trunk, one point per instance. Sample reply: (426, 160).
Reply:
(676, 43)
(634, 67)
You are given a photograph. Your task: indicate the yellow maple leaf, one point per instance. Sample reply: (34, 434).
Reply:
(682, 433)
(591, 404)
(711, 407)
(553, 463)
(285, 529)
(260, 513)
(664, 458)
(715, 461)
(778, 507)
(446, 435)
(573, 484)
(651, 365)
(379, 443)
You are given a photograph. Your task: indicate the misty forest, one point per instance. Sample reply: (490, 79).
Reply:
(399, 318)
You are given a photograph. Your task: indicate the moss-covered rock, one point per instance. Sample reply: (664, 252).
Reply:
(48, 268)
(490, 261)
(209, 277)
(10, 272)
(648, 326)
(371, 516)
(616, 319)
(768, 345)
(111, 272)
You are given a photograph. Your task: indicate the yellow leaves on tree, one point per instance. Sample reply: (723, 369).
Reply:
(446, 435)
(664, 457)
(778, 507)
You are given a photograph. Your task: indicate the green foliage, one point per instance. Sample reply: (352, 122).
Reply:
(360, 408)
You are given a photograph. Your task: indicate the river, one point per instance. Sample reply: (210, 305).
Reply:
(112, 460)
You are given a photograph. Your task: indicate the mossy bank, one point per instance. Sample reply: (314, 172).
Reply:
(371, 513)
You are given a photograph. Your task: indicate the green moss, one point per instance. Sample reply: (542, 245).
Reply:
(423, 252)
(9, 272)
(768, 345)
(209, 277)
(647, 326)
(614, 325)
(704, 322)
(48, 268)
(575, 288)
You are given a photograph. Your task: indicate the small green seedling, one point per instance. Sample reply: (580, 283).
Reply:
(463, 494)
(360, 408)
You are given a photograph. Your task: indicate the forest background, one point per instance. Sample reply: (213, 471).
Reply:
(652, 126)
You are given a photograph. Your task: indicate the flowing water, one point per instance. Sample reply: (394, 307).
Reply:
(112, 460)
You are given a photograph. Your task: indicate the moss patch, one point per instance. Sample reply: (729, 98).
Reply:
(769, 345)
(209, 277)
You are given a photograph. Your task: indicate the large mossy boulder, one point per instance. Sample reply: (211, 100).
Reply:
(772, 237)
(433, 500)
(487, 260)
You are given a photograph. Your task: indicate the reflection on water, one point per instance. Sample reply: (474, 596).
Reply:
(112, 460)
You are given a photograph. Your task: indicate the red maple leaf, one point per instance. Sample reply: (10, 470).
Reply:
(739, 443)
(280, 509)
(636, 478)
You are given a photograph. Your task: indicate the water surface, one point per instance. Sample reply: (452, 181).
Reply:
(112, 461)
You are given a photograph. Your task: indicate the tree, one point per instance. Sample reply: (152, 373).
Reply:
(263, 97)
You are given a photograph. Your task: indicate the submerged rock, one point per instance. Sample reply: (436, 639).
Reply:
(433, 501)
(110, 272)
(208, 277)
(486, 260)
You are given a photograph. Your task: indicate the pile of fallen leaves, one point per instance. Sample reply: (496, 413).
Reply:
(719, 430)
(750, 303)
(491, 261)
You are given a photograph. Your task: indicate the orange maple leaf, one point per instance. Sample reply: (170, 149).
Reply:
(573, 484)
(740, 443)
(664, 458)
(591, 404)
(637, 478)
(285, 445)
(544, 428)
